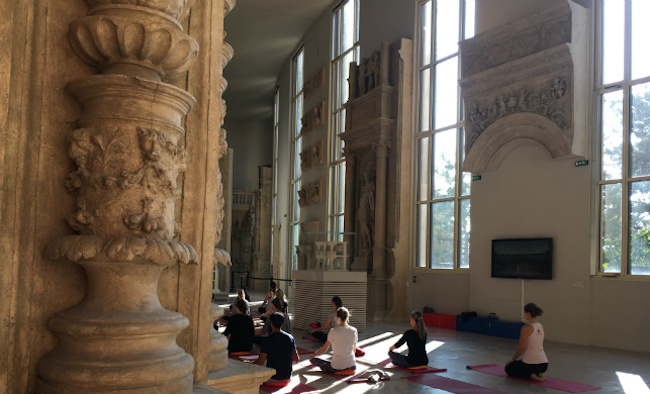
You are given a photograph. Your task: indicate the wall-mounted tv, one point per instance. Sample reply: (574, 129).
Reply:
(522, 258)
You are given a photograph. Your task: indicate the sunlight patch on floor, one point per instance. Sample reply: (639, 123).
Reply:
(632, 384)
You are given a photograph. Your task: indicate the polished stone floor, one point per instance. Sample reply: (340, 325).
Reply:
(613, 370)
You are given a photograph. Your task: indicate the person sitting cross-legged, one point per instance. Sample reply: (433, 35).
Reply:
(241, 329)
(416, 339)
(343, 339)
(278, 350)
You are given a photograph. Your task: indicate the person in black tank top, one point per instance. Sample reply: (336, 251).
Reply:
(416, 340)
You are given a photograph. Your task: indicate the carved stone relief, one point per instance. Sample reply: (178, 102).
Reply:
(526, 68)
(315, 82)
(311, 194)
(312, 156)
(316, 117)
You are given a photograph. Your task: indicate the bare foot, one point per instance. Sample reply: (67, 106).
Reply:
(538, 378)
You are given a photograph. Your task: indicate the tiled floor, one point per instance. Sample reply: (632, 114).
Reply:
(612, 370)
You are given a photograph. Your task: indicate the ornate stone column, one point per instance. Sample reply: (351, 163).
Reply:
(378, 284)
(129, 151)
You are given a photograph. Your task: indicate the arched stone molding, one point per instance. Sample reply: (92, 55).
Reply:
(518, 82)
(508, 133)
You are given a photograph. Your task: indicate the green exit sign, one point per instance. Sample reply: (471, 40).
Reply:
(581, 163)
(476, 177)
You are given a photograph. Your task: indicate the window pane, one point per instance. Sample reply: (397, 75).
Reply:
(297, 161)
(640, 131)
(444, 164)
(612, 136)
(298, 115)
(421, 234)
(332, 190)
(425, 33)
(425, 99)
(349, 23)
(296, 206)
(336, 37)
(442, 235)
(341, 200)
(447, 29)
(423, 169)
(613, 39)
(470, 11)
(299, 80)
(463, 242)
(345, 73)
(640, 58)
(294, 255)
(610, 228)
(639, 228)
(336, 78)
(341, 227)
(446, 100)
(466, 177)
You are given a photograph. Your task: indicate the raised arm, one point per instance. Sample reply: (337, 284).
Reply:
(322, 350)
(399, 343)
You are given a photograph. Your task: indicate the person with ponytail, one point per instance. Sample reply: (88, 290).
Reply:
(531, 344)
(416, 340)
(343, 339)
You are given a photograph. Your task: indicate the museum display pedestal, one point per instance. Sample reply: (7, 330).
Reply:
(313, 292)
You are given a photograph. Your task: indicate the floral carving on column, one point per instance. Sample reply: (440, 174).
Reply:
(129, 151)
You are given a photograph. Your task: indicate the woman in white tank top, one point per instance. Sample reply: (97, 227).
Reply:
(531, 345)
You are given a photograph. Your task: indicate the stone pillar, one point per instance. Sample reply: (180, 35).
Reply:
(129, 151)
(378, 283)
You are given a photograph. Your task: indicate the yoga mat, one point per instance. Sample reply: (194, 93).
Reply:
(418, 371)
(451, 385)
(299, 388)
(310, 338)
(244, 356)
(304, 351)
(553, 383)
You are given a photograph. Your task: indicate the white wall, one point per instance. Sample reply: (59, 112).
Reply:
(252, 145)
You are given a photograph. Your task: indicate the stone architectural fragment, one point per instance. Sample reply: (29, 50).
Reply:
(377, 135)
(312, 193)
(129, 148)
(313, 155)
(519, 84)
(315, 117)
(315, 82)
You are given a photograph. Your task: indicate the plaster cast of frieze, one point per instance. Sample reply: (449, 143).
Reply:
(541, 31)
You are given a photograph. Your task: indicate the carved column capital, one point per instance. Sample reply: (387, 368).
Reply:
(137, 40)
(381, 148)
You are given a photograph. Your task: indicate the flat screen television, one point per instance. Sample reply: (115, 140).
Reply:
(522, 258)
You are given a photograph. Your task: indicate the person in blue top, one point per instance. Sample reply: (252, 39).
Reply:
(416, 340)
(278, 350)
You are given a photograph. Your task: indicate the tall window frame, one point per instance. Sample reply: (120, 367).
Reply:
(622, 88)
(297, 101)
(276, 162)
(442, 190)
(345, 49)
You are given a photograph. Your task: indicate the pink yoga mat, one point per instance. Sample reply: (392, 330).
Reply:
(417, 371)
(451, 385)
(553, 383)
